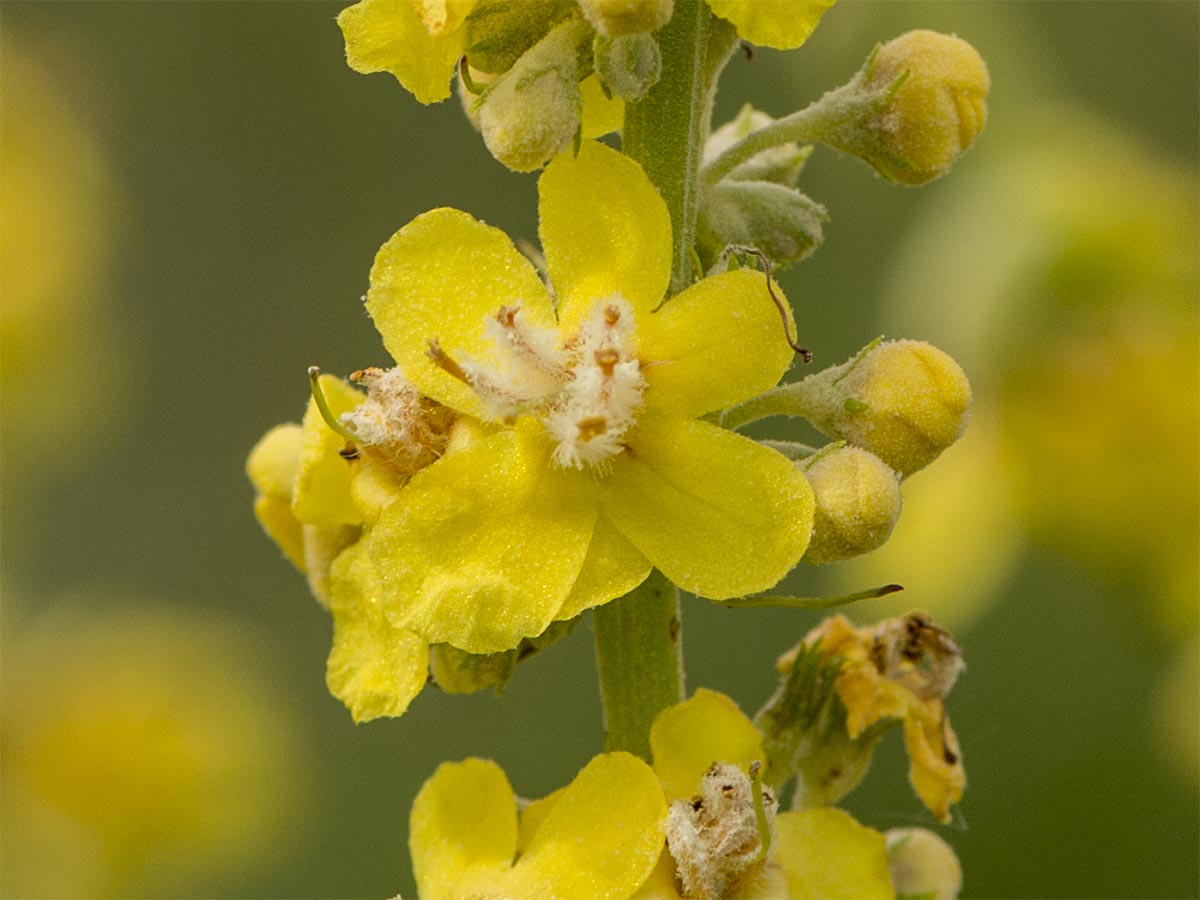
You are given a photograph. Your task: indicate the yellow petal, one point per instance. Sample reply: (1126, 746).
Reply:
(689, 737)
(612, 568)
(935, 767)
(826, 854)
(441, 276)
(661, 883)
(782, 24)
(272, 463)
(532, 817)
(462, 829)
(321, 547)
(374, 486)
(374, 668)
(869, 697)
(275, 516)
(482, 548)
(602, 837)
(389, 36)
(717, 343)
(440, 16)
(321, 492)
(605, 230)
(718, 514)
(601, 115)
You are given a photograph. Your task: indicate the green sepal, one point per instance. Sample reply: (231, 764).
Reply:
(499, 33)
(783, 223)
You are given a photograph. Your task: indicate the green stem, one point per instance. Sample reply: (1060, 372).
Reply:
(786, 400)
(641, 667)
(806, 126)
(666, 131)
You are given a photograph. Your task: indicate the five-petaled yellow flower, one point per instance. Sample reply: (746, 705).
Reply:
(589, 464)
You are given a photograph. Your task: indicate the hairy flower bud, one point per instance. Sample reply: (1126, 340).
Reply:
(628, 65)
(613, 18)
(531, 112)
(922, 864)
(858, 503)
(905, 401)
(783, 223)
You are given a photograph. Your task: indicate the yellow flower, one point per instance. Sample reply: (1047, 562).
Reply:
(142, 753)
(598, 838)
(315, 505)
(901, 669)
(782, 24)
(816, 853)
(593, 466)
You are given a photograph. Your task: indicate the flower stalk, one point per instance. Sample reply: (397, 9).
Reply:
(640, 663)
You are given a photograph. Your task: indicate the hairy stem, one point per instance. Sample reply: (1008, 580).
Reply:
(641, 667)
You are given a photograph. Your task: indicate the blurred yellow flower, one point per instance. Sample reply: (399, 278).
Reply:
(143, 753)
(57, 197)
(599, 837)
(591, 396)
(901, 669)
(815, 853)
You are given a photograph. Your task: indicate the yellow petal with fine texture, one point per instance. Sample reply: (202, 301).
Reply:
(717, 343)
(605, 230)
(462, 829)
(601, 115)
(600, 839)
(612, 568)
(481, 548)
(389, 36)
(374, 668)
(321, 492)
(272, 463)
(782, 24)
(442, 276)
(741, 515)
(935, 767)
(689, 737)
(275, 516)
(826, 855)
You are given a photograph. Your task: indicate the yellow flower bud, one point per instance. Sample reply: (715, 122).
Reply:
(858, 503)
(905, 401)
(613, 18)
(531, 112)
(934, 113)
(922, 864)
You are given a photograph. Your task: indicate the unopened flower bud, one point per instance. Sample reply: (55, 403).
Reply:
(780, 164)
(499, 33)
(905, 401)
(857, 503)
(628, 65)
(458, 672)
(935, 113)
(613, 18)
(922, 864)
(531, 112)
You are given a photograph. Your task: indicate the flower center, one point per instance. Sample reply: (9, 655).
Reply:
(586, 388)
(407, 430)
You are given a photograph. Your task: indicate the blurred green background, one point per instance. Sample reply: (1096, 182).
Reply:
(192, 194)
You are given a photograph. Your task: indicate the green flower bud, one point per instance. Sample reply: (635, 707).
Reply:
(780, 164)
(781, 222)
(922, 864)
(531, 112)
(938, 87)
(857, 503)
(613, 18)
(458, 672)
(499, 33)
(905, 401)
(628, 65)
